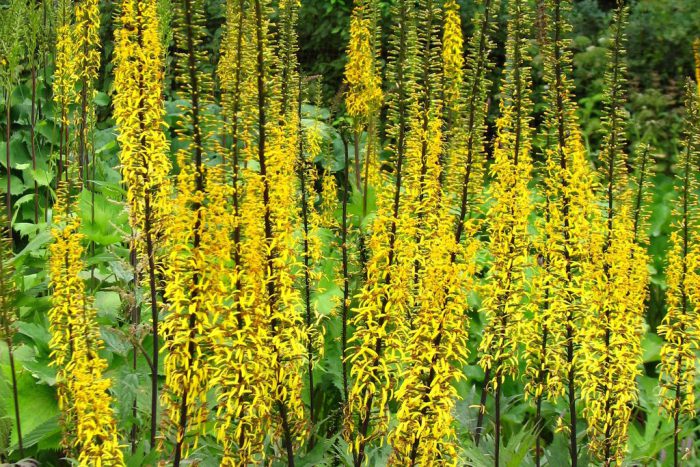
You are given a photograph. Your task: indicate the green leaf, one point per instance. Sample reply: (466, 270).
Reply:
(109, 222)
(18, 153)
(37, 333)
(38, 407)
(43, 177)
(101, 99)
(107, 304)
(651, 347)
(115, 341)
(38, 242)
(49, 130)
(16, 185)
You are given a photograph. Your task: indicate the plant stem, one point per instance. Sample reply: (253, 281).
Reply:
(303, 167)
(358, 178)
(368, 161)
(676, 426)
(154, 316)
(135, 320)
(538, 427)
(539, 421)
(33, 145)
(8, 193)
(482, 407)
(573, 450)
(497, 435)
(346, 278)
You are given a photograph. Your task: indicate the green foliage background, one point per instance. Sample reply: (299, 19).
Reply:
(660, 36)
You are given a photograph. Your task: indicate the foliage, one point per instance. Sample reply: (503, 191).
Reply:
(371, 232)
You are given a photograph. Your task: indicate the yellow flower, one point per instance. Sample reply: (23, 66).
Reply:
(364, 95)
(435, 350)
(268, 351)
(191, 293)
(568, 210)
(611, 353)
(509, 214)
(139, 111)
(452, 58)
(386, 297)
(89, 427)
(465, 153)
(679, 328)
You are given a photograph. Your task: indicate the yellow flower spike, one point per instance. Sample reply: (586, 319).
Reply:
(679, 328)
(364, 97)
(509, 214)
(452, 58)
(145, 165)
(89, 427)
(267, 221)
(568, 210)
(435, 350)
(465, 153)
(364, 94)
(191, 293)
(611, 353)
(86, 48)
(386, 299)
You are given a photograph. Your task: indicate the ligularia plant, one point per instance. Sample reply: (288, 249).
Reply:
(139, 109)
(679, 329)
(611, 334)
(275, 269)
(89, 427)
(509, 213)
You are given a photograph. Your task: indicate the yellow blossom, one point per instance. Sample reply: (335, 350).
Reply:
(89, 427)
(679, 328)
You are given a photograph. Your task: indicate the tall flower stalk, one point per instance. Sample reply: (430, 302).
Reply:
(193, 245)
(65, 76)
(86, 37)
(35, 42)
(453, 78)
(364, 96)
(612, 329)
(464, 164)
(243, 407)
(509, 215)
(679, 328)
(309, 149)
(568, 182)
(384, 300)
(88, 423)
(424, 142)
(268, 219)
(139, 110)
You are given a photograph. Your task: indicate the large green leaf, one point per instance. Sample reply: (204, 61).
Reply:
(19, 154)
(38, 407)
(109, 222)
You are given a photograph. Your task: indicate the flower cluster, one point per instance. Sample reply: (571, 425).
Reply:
(679, 329)
(509, 214)
(611, 333)
(89, 427)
